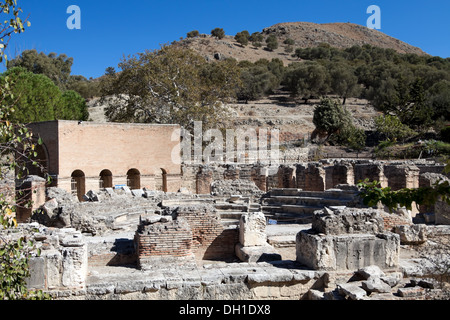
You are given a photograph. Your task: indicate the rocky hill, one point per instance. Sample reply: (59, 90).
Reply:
(304, 34)
(280, 110)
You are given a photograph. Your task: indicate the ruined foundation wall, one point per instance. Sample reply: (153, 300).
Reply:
(210, 239)
(347, 239)
(312, 176)
(170, 239)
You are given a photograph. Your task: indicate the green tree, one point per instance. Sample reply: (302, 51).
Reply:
(352, 137)
(110, 71)
(256, 38)
(289, 42)
(88, 89)
(219, 33)
(439, 99)
(272, 42)
(344, 82)
(408, 103)
(242, 38)
(193, 34)
(37, 98)
(330, 117)
(172, 85)
(392, 128)
(256, 82)
(56, 67)
(306, 80)
(72, 107)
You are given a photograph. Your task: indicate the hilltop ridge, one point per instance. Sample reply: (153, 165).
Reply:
(304, 35)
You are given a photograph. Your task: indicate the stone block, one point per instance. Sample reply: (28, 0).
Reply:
(412, 234)
(252, 229)
(409, 292)
(37, 277)
(376, 285)
(91, 196)
(442, 212)
(257, 253)
(347, 252)
(353, 290)
(348, 220)
(137, 192)
(371, 272)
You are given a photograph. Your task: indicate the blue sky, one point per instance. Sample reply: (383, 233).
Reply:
(111, 29)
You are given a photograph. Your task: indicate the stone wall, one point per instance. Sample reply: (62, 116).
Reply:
(347, 239)
(166, 241)
(196, 232)
(83, 150)
(312, 176)
(63, 261)
(210, 239)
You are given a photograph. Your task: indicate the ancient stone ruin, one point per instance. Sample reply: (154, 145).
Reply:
(228, 231)
(348, 239)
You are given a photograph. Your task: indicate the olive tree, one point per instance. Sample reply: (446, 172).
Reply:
(172, 85)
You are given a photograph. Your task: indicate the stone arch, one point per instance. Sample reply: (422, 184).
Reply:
(78, 184)
(42, 160)
(134, 179)
(106, 179)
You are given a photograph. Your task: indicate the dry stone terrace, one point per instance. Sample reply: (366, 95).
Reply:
(240, 231)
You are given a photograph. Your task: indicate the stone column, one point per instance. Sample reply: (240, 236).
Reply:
(314, 177)
(372, 171)
(259, 177)
(204, 179)
(402, 176)
(253, 246)
(287, 177)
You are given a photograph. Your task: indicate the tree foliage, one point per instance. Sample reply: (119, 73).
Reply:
(242, 37)
(16, 144)
(193, 34)
(343, 81)
(256, 38)
(12, 24)
(330, 116)
(306, 80)
(37, 98)
(56, 67)
(172, 85)
(219, 33)
(392, 128)
(333, 119)
(271, 42)
(259, 78)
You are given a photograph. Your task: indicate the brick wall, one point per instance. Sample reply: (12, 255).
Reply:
(392, 220)
(210, 240)
(196, 231)
(164, 239)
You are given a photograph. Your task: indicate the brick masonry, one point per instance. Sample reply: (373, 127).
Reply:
(196, 232)
(210, 239)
